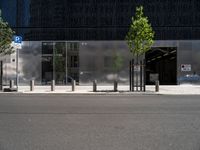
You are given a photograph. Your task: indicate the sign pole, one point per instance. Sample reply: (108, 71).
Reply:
(18, 44)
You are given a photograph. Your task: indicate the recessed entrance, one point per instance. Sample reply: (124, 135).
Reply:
(161, 63)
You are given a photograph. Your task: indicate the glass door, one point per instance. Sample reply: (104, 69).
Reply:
(60, 63)
(73, 61)
(47, 63)
(54, 63)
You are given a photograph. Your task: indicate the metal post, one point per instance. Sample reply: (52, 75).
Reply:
(144, 68)
(115, 86)
(157, 86)
(1, 75)
(141, 76)
(94, 85)
(11, 84)
(66, 68)
(73, 85)
(130, 75)
(137, 76)
(53, 85)
(32, 84)
(133, 75)
(54, 67)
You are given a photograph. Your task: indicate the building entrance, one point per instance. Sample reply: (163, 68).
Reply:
(161, 64)
(60, 62)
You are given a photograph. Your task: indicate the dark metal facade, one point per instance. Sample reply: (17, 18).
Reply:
(102, 19)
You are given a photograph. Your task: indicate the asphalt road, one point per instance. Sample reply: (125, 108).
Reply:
(60, 122)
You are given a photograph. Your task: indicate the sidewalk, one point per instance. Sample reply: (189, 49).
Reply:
(164, 90)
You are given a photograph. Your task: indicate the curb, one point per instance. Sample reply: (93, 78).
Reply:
(79, 93)
(97, 94)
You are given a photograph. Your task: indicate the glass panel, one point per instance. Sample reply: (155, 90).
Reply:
(97, 59)
(47, 48)
(73, 61)
(60, 63)
(47, 62)
(29, 64)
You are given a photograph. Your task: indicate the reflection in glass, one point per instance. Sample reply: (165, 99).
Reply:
(47, 62)
(60, 62)
(73, 61)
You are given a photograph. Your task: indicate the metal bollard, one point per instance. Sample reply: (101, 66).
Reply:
(95, 86)
(1, 75)
(115, 86)
(53, 85)
(11, 84)
(73, 85)
(32, 85)
(157, 86)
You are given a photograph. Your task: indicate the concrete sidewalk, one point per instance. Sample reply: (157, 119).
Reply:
(164, 90)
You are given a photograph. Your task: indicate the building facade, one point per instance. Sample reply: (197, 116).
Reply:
(79, 38)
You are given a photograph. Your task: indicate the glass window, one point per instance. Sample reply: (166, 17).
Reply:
(47, 48)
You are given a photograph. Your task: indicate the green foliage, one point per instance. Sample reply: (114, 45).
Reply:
(117, 62)
(6, 34)
(140, 35)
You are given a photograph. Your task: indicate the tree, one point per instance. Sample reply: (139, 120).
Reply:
(6, 35)
(139, 39)
(140, 36)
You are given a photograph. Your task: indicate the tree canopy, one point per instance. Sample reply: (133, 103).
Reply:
(140, 35)
(6, 35)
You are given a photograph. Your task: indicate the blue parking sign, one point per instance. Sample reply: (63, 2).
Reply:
(17, 39)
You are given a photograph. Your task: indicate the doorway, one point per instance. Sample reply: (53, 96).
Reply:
(60, 62)
(73, 61)
(161, 64)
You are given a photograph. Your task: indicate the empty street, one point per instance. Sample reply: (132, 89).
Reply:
(99, 122)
